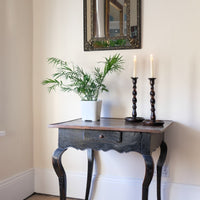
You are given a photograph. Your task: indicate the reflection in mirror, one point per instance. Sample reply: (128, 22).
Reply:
(116, 21)
(99, 27)
(112, 24)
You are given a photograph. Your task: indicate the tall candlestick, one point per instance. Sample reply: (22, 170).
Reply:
(134, 118)
(134, 66)
(151, 66)
(153, 121)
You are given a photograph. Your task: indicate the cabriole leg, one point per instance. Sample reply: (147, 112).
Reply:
(90, 154)
(161, 160)
(56, 161)
(148, 175)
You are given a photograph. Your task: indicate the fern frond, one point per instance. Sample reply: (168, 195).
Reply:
(87, 86)
(113, 63)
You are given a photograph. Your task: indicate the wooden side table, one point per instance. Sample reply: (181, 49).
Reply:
(107, 134)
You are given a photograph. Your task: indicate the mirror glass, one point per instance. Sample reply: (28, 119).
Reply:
(112, 24)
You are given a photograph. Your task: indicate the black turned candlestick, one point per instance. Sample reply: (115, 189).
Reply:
(153, 121)
(134, 117)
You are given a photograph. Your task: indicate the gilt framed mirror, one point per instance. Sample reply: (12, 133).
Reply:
(112, 24)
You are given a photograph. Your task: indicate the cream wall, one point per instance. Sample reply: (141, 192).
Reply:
(170, 31)
(16, 147)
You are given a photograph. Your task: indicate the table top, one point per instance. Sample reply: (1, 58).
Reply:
(112, 124)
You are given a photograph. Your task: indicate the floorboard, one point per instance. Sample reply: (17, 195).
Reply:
(45, 197)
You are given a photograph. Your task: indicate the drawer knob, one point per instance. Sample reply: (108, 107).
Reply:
(101, 136)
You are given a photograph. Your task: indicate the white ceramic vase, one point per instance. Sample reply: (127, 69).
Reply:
(91, 110)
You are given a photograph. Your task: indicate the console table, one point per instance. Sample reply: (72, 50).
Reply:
(108, 134)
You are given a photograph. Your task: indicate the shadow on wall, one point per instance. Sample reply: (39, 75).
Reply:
(110, 109)
(182, 159)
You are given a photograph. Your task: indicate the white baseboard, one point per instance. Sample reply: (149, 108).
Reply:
(22, 185)
(111, 188)
(46, 182)
(106, 188)
(17, 187)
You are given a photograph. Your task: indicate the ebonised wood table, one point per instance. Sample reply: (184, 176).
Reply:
(107, 134)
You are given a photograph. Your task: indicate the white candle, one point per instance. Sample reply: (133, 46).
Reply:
(134, 66)
(151, 66)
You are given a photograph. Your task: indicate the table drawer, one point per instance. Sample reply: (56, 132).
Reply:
(103, 136)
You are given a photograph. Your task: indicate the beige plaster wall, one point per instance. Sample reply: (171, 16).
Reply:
(16, 147)
(170, 31)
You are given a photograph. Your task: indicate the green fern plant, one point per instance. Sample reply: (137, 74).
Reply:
(75, 79)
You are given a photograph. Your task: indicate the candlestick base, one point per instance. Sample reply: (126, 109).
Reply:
(153, 123)
(134, 120)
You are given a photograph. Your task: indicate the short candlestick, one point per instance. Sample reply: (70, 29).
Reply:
(134, 117)
(153, 121)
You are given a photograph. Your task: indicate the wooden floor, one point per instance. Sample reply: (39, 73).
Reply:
(45, 197)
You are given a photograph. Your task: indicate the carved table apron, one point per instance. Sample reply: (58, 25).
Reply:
(107, 134)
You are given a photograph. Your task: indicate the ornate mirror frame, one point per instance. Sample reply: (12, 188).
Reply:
(106, 42)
